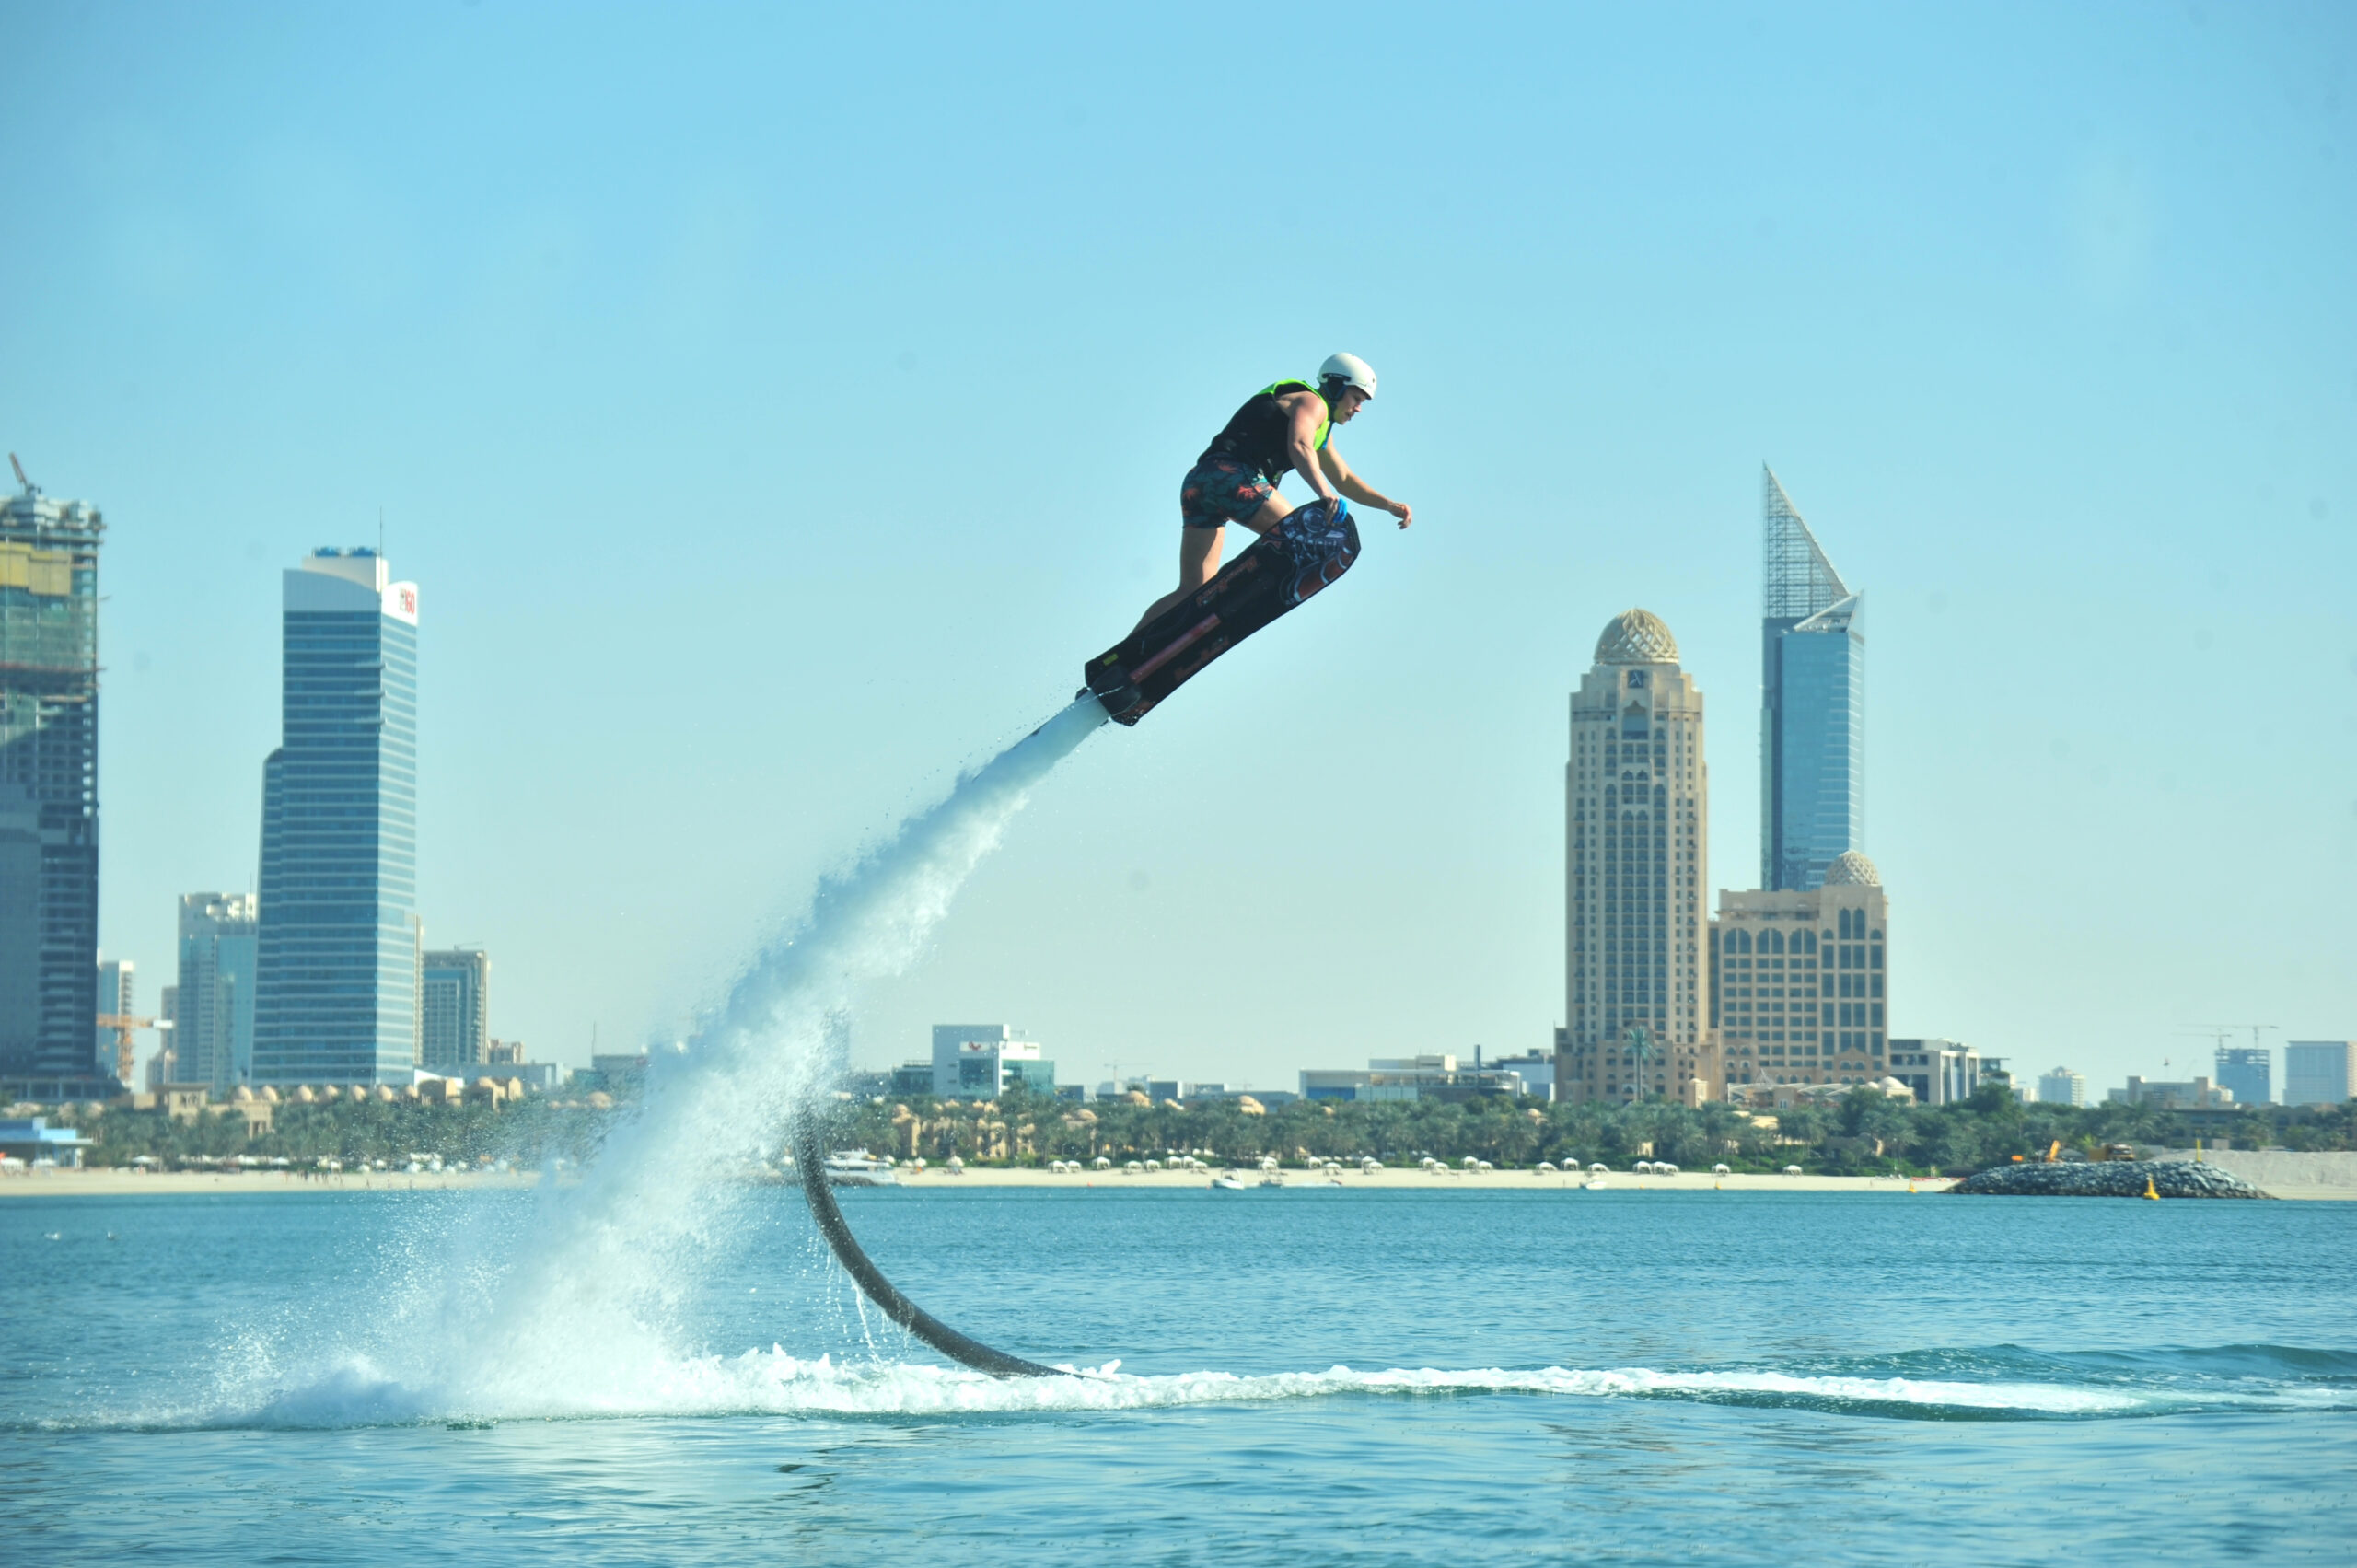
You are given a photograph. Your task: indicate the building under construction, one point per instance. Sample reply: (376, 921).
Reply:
(48, 794)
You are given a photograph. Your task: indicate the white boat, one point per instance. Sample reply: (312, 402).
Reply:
(857, 1168)
(1227, 1181)
(1274, 1179)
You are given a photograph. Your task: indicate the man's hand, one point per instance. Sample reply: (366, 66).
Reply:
(1358, 490)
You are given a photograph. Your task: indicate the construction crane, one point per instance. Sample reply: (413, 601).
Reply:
(123, 1024)
(2223, 1033)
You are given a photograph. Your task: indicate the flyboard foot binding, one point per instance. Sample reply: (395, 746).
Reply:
(1311, 549)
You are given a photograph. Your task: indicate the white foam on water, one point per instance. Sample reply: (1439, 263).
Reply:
(568, 1316)
(774, 1383)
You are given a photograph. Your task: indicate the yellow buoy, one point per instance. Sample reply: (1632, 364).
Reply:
(2149, 1190)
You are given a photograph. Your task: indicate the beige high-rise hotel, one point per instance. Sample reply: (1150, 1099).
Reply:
(1637, 820)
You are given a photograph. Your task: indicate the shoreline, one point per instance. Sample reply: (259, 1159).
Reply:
(1408, 1178)
(124, 1183)
(112, 1183)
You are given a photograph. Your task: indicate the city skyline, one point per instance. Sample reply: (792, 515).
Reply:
(2061, 377)
(217, 1051)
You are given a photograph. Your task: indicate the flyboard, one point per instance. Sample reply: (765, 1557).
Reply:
(1311, 549)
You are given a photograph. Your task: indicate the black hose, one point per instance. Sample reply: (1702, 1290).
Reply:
(810, 1156)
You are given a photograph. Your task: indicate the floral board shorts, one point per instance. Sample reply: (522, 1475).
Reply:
(1219, 491)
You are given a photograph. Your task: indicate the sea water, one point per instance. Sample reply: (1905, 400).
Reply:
(1485, 1373)
(658, 1362)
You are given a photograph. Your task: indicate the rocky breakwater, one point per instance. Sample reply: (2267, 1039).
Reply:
(2108, 1178)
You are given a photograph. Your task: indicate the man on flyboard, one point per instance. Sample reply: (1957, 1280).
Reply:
(1284, 427)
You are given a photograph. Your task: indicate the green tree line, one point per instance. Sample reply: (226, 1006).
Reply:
(1864, 1131)
(350, 1132)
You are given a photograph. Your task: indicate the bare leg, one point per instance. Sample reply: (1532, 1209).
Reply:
(1199, 553)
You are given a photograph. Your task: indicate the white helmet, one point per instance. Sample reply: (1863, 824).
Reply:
(1351, 370)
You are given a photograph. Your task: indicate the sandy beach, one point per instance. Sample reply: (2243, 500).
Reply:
(131, 1183)
(123, 1183)
(1450, 1181)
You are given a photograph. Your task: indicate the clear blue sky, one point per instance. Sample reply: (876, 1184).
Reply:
(776, 404)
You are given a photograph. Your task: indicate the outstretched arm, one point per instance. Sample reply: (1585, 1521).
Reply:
(1307, 410)
(1360, 490)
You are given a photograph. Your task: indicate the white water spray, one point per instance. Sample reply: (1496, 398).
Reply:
(585, 1305)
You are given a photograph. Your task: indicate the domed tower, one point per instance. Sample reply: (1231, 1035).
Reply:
(1637, 835)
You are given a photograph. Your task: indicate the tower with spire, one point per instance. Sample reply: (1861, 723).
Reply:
(1813, 704)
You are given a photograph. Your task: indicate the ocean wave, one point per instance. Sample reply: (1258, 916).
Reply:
(776, 1383)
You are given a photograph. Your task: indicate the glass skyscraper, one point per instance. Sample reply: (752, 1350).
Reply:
(1812, 704)
(213, 1033)
(48, 794)
(336, 994)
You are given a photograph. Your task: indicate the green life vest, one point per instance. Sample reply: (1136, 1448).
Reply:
(1259, 433)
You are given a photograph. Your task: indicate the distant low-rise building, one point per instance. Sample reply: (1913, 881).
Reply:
(1230, 1093)
(32, 1140)
(1537, 1069)
(538, 1077)
(1438, 1077)
(611, 1072)
(2195, 1094)
(1757, 1096)
(978, 1060)
(1941, 1072)
(2318, 1072)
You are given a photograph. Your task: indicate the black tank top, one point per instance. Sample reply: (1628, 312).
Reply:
(1258, 433)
